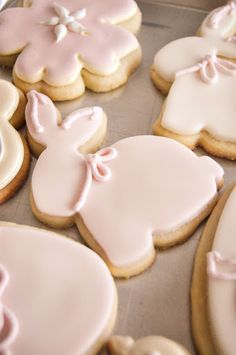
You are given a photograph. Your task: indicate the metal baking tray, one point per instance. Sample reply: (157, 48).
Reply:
(156, 302)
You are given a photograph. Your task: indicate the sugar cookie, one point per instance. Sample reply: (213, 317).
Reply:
(214, 278)
(14, 153)
(200, 107)
(150, 345)
(125, 198)
(59, 48)
(56, 290)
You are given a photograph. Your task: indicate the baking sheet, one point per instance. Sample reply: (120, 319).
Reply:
(156, 302)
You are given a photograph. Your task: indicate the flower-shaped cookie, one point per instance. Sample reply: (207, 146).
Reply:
(200, 107)
(61, 47)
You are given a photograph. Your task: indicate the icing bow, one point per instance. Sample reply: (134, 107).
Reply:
(8, 321)
(214, 258)
(210, 67)
(97, 170)
(218, 15)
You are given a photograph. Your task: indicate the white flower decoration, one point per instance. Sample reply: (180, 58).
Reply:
(66, 21)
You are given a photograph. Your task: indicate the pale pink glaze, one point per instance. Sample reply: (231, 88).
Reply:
(209, 68)
(97, 170)
(149, 193)
(59, 63)
(34, 97)
(8, 321)
(62, 292)
(214, 258)
(219, 14)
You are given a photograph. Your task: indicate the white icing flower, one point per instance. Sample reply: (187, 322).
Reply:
(66, 21)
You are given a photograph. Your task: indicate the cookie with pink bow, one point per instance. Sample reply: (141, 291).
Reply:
(62, 47)
(214, 281)
(199, 75)
(58, 291)
(126, 199)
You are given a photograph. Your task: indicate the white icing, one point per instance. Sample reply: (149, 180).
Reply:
(150, 345)
(12, 150)
(219, 14)
(3, 3)
(66, 20)
(192, 106)
(209, 69)
(60, 291)
(222, 293)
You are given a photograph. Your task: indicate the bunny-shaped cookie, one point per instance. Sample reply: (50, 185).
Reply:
(14, 153)
(200, 107)
(58, 291)
(214, 279)
(140, 192)
(150, 345)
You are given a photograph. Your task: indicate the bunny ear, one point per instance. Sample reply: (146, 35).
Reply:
(41, 117)
(220, 21)
(81, 125)
(9, 99)
(119, 345)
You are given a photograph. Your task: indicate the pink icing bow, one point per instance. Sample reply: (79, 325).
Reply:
(218, 15)
(8, 322)
(214, 258)
(209, 68)
(97, 170)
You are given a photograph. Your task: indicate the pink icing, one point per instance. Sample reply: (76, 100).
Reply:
(209, 68)
(62, 292)
(95, 169)
(8, 321)
(214, 258)
(219, 14)
(75, 130)
(59, 63)
(93, 112)
(141, 192)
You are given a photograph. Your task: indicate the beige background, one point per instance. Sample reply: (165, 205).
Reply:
(199, 4)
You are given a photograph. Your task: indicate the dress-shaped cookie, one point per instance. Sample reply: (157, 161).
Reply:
(200, 107)
(125, 198)
(214, 281)
(56, 290)
(14, 153)
(150, 345)
(59, 48)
